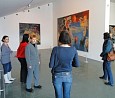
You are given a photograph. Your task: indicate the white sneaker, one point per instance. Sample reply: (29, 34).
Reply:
(12, 79)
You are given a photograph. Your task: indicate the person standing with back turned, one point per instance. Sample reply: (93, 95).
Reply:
(21, 57)
(62, 59)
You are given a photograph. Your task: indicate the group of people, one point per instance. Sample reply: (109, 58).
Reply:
(63, 58)
(27, 54)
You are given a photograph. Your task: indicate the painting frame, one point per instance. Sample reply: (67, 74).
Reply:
(112, 32)
(30, 28)
(77, 25)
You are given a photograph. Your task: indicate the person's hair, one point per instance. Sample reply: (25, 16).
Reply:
(33, 36)
(106, 35)
(64, 38)
(25, 38)
(4, 37)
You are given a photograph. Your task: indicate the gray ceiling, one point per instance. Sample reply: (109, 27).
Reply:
(12, 6)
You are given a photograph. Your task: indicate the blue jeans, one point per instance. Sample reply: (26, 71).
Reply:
(7, 67)
(107, 71)
(62, 84)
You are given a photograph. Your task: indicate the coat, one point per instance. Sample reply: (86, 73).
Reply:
(31, 55)
(5, 54)
(107, 47)
(21, 50)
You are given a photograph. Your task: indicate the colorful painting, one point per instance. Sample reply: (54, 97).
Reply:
(112, 32)
(29, 28)
(77, 26)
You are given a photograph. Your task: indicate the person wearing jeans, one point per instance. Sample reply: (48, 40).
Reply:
(5, 60)
(63, 57)
(107, 47)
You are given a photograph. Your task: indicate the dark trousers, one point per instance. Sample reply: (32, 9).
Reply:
(23, 71)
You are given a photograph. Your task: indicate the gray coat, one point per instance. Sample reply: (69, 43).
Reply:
(5, 54)
(31, 54)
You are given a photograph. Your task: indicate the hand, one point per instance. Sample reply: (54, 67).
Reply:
(101, 55)
(30, 67)
(11, 51)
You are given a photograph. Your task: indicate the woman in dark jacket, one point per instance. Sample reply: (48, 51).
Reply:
(107, 47)
(61, 61)
(21, 58)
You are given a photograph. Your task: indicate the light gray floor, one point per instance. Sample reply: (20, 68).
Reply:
(86, 82)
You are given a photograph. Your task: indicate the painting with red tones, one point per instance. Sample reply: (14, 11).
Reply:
(77, 25)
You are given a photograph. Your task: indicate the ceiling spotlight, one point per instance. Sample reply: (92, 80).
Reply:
(29, 5)
(48, 4)
(4, 17)
(28, 10)
(16, 14)
(38, 7)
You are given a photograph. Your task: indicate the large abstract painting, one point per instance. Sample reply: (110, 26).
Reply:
(30, 28)
(112, 32)
(77, 26)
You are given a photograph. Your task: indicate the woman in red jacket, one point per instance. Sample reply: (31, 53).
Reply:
(21, 58)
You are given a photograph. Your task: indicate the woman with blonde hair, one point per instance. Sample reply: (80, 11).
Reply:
(32, 58)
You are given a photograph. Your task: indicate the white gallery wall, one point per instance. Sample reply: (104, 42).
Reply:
(97, 23)
(43, 16)
(47, 16)
(112, 13)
